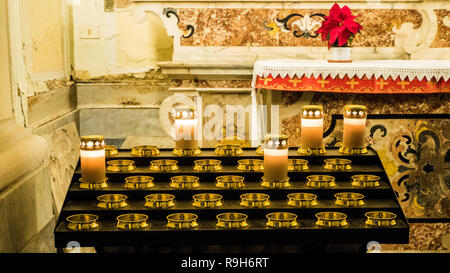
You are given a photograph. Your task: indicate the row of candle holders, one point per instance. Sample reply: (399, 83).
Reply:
(229, 220)
(205, 165)
(236, 181)
(214, 200)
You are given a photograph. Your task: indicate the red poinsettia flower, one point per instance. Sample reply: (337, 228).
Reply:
(339, 26)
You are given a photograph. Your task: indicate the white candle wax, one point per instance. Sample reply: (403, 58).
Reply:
(275, 164)
(312, 133)
(185, 137)
(93, 167)
(354, 133)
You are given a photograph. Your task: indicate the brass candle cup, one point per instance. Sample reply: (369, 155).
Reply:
(302, 199)
(132, 221)
(320, 181)
(349, 199)
(331, 219)
(79, 222)
(145, 150)
(365, 180)
(255, 200)
(186, 152)
(281, 220)
(182, 220)
(352, 151)
(228, 150)
(164, 165)
(112, 201)
(232, 220)
(159, 201)
(260, 150)
(120, 165)
(381, 218)
(207, 165)
(311, 151)
(250, 165)
(230, 181)
(111, 150)
(184, 182)
(139, 182)
(337, 164)
(207, 200)
(297, 164)
(266, 183)
(93, 186)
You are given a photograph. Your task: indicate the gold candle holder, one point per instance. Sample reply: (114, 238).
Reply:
(232, 220)
(182, 220)
(120, 165)
(337, 164)
(184, 182)
(145, 150)
(92, 162)
(281, 220)
(186, 143)
(93, 186)
(112, 201)
(331, 219)
(297, 164)
(207, 165)
(266, 183)
(159, 201)
(253, 165)
(111, 150)
(260, 150)
(354, 130)
(381, 218)
(365, 180)
(230, 181)
(312, 130)
(301, 199)
(79, 222)
(320, 181)
(207, 200)
(132, 221)
(228, 150)
(164, 165)
(349, 199)
(255, 200)
(139, 182)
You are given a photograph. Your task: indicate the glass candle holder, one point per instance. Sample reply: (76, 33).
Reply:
(184, 182)
(186, 143)
(92, 162)
(145, 150)
(207, 200)
(182, 220)
(159, 201)
(312, 130)
(232, 220)
(139, 182)
(281, 220)
(230, 181)
(354, 130)
(275, 162)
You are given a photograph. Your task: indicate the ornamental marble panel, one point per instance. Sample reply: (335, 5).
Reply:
(259, 27)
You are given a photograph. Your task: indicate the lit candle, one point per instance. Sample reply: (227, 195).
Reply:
(275, 158)
(354, 129)
(185, 130)
(92, 159)
(312, 130)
